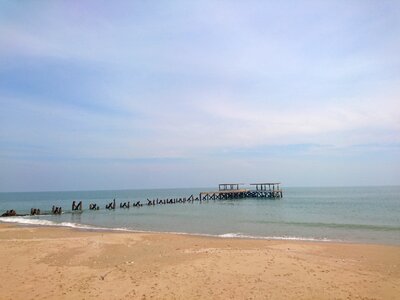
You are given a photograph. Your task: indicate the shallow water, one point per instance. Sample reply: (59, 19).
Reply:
(351, 214)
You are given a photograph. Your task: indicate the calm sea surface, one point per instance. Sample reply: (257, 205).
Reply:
(351, 214)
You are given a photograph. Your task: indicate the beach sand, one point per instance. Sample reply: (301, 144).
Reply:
(61, 263)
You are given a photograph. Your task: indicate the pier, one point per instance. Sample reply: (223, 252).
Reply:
(269, 190)
(261, 190)
(234, 191)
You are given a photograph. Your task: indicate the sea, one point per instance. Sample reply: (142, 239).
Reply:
(326, 214)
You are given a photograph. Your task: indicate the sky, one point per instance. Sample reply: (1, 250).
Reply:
(163, 94)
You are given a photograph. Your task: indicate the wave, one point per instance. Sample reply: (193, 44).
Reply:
(38, 222)
(29, 221)
(333, 225)
(286, 238)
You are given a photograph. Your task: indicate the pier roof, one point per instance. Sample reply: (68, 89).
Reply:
(269, 183)
(229, 186)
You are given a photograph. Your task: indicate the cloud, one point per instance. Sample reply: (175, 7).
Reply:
(178, 84)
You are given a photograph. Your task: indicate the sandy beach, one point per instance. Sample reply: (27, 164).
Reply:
(60, 263)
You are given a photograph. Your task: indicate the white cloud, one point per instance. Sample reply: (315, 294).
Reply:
(198, 79)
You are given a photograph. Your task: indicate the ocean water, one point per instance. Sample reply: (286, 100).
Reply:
(347, 214)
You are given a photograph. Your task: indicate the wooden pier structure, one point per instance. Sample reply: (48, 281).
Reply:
(234, 191)
(225, 191)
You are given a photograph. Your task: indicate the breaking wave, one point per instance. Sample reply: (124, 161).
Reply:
(40, 222)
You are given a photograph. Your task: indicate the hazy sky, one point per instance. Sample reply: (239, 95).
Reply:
(139, 94)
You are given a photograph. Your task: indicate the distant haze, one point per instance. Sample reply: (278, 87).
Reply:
(146, 94)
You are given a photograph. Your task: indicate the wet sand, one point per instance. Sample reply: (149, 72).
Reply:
(60, 263)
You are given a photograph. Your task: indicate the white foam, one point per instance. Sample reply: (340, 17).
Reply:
(289, 238)
(40, 222)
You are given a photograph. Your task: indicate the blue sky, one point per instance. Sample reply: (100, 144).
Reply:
(142, 94)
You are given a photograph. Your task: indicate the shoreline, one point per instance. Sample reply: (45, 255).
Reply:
(84, 227)
(64, 263)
